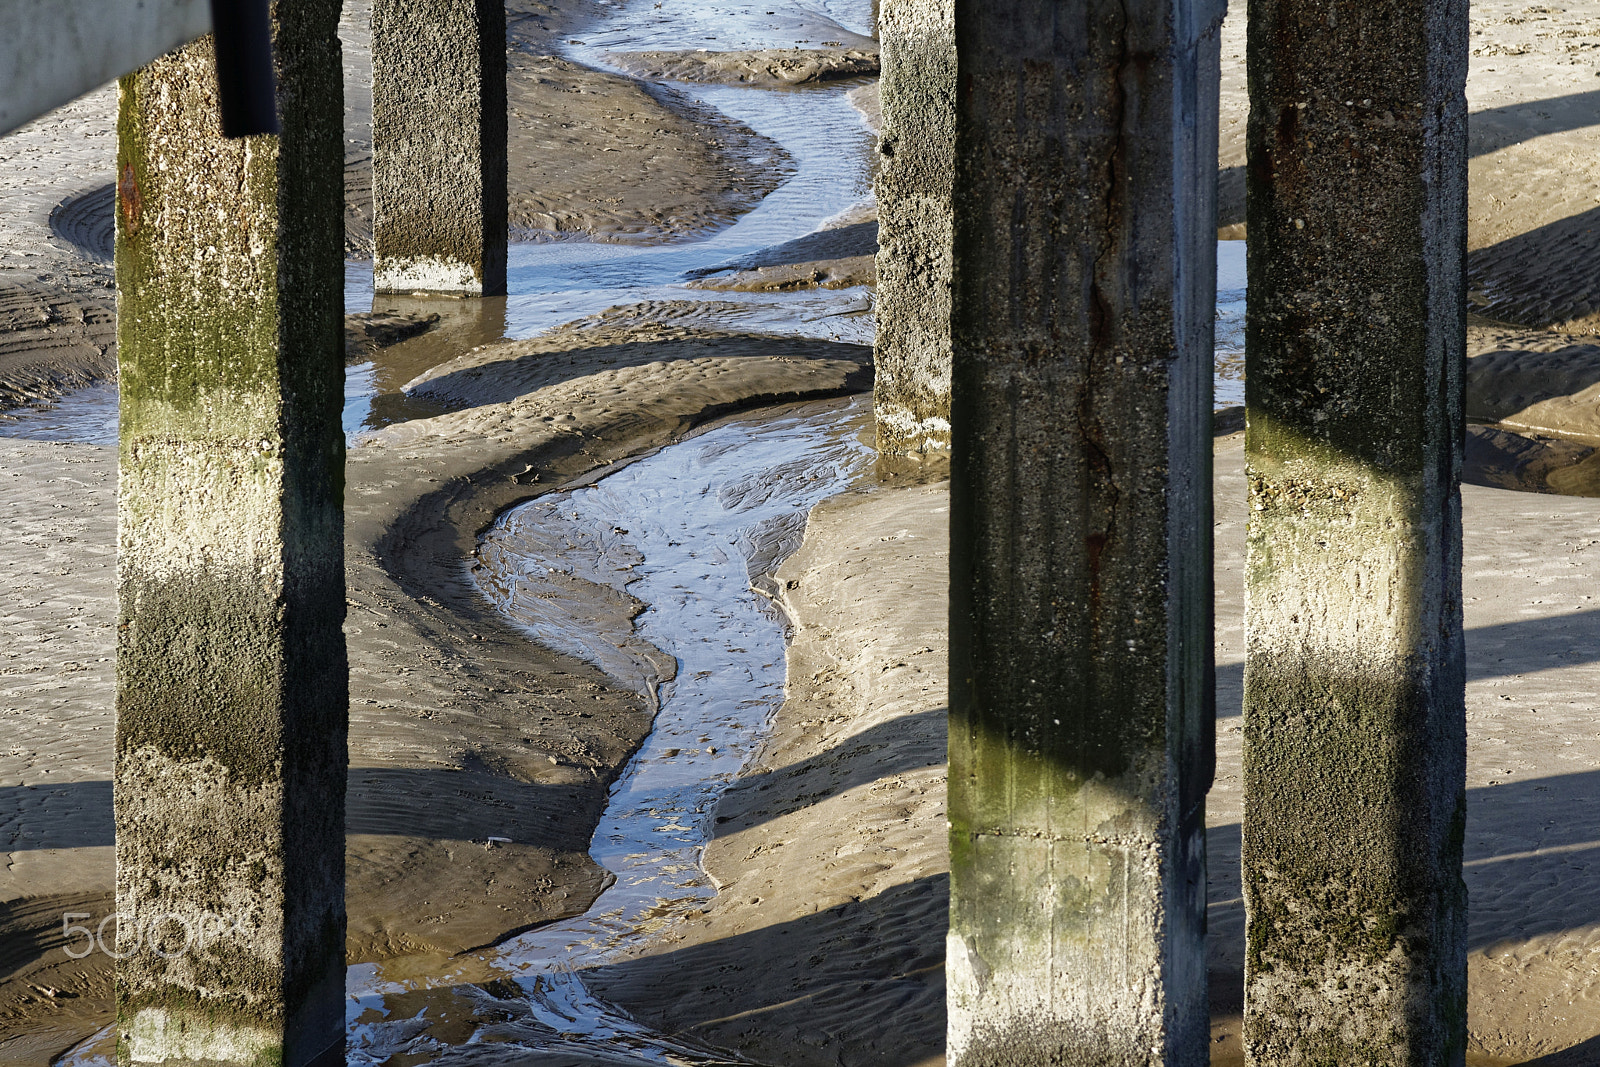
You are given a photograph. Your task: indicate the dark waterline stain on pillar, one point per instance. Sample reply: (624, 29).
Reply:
(439, 165)
(1080, 745)
(232, 679)
(1355, 728)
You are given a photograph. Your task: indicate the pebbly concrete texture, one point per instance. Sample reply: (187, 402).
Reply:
(1355, 731)
(916, 148)
(232, 688)
(1080, 683)
(439, 146)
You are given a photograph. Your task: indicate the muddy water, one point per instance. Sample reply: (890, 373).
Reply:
(686, 531)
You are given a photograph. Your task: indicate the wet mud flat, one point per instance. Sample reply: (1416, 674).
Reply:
(651, 571)
(823, 942)
(462, 729)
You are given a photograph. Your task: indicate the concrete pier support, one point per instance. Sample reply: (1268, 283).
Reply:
(231, 669)
(1355, 734)
(911, 385)
(1081, 682)
(439, 146)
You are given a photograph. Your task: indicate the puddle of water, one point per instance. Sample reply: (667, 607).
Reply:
(685, 531)
(87, 415)
(1228, 380)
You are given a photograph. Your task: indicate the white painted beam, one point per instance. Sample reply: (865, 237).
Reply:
(53, 51)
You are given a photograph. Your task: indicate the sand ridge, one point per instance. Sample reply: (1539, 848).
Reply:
(830, 849)
(460, 728)
(768, 67)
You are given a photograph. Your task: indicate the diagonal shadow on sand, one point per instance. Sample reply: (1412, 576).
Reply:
(861, 982)
(901, 742)
(1489, 132)
(1508, 892)
(1586, 1054)
(1542, 279)
(1499, 651)
(470, 805)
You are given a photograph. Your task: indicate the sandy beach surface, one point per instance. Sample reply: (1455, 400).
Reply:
(823, 940)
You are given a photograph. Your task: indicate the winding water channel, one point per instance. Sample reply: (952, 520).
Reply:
(684, 530)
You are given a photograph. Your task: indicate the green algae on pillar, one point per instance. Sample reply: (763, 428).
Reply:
(231, 669)
(1081, 715)
(439, 146)
(911, 386)
(1355, 729)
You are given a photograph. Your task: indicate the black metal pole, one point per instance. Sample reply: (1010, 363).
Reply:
(245, 84)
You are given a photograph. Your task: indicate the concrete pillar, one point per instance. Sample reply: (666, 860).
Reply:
(911, 387)
(1355, 733)
(439, 146)
(231, 670)
(1080, 679)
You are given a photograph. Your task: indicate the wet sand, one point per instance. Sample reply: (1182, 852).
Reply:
(825, 941)
(461, 729)
(826, 944)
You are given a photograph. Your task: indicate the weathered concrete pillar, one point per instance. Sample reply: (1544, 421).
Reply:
(231, 671)
(1080, 680)
(911, 386)
(1355, 733)
(439, 146)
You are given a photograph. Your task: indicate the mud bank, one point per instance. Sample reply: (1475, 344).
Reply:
(767, 67)
(825, 942)
(593, 154)
(460, 728)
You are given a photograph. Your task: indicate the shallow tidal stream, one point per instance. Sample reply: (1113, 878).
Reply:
(685, 530)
